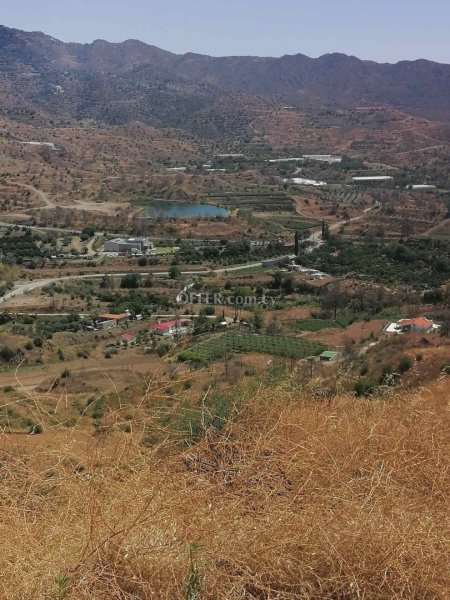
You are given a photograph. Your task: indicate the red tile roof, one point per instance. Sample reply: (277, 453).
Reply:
(420, 322)
(167, 324)
(128, 336)
(112, 317)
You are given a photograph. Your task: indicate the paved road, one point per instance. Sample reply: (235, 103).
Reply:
(22, 287)
(40, 228)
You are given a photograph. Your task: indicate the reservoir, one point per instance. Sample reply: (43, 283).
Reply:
(181, 210)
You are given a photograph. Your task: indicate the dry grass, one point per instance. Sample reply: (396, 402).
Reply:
(296, 498)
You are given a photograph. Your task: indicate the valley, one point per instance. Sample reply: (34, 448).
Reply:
(224, 324)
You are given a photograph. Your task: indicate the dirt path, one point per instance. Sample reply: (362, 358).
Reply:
(28, 378)
(436, 228)
(418, 150)
(108, 208)
(42, 195)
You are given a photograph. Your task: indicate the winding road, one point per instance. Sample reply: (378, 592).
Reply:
(42, 195)
(23, 287)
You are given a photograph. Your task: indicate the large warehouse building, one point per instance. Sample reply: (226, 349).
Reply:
(131, 245)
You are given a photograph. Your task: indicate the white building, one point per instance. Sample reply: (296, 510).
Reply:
(131, 245)
(301, 181)
(174, 327)
(327, 158)
(373, 179)
(423, 188)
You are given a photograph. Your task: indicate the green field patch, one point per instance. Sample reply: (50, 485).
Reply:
(316, 324)
(164, 250)
(235, 341)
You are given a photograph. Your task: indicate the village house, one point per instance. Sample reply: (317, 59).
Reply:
(110, 320)
(128, 339)
(175, 327)
(416, 325)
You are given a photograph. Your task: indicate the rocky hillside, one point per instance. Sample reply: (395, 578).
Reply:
(132, 80)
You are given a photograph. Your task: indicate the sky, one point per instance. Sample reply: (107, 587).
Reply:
(382, 30)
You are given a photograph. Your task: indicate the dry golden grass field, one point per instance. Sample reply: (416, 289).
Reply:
(297, 497)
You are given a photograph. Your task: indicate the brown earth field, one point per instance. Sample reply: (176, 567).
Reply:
(355, 331)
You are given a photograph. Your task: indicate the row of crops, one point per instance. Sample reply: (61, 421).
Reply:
(247, 195)
(295, 224)
(340, 195)
(266, 203)
(236, 341)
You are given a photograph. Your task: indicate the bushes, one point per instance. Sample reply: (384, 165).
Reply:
(35, 429)
(404, 365)
(415, 262)
(7, 354)
(162, 349)
(45, 328)
(174, 272)
(364, 387)
(316, 324)
(131, 281)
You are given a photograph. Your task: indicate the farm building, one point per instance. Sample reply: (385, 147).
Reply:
(327, 158)
(177, 326)
(282, 160)
(110, 320)
(230, 155)
(302, 181)
(49, 145)
(328, 356)
(423, 188)
(126, 245)
(373, 179)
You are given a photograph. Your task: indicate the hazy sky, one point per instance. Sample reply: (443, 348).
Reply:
(383, 30)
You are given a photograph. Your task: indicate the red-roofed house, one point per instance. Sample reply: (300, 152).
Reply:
(418, 325)
(127, 339)
(177, 326)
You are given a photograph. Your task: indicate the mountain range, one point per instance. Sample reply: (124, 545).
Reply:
(119, 82)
